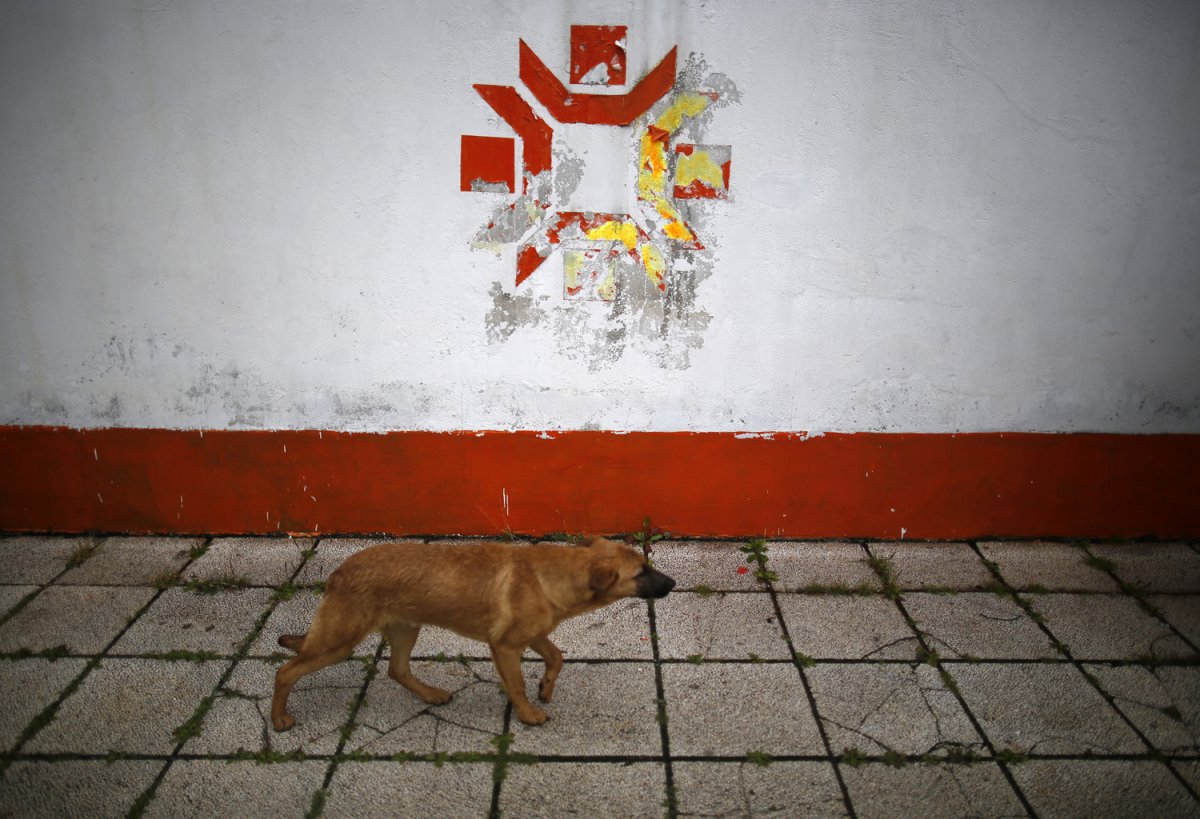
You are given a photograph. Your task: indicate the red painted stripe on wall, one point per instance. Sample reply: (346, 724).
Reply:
(701, 484)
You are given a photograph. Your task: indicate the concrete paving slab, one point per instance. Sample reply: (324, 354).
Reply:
(83, 618)
(1190, 771)
(240, 718)
(933, 791)
(619, 631)
(1163, 702)
(393, 720)
(720, 625)
(1029, 565)
(11, 595)
(28, 686)
(1107, 627)
(555, 789)
(205, 788)
(894, 707)
(978, 625)
(781, 788)
(182, 620)
(1153, 567)
(129, 706)
(804, 565)
(262, 561)
(733, 708)
(1045, 708)
(92, 788)
(293, 616)
(468, 541)
(1180, 610)
(332, 552)
(422, 789)
(607, 709)
(36, 559)
(1088, 788)
(828, 626)
(938, 566)
(710, 564)
(132, 561)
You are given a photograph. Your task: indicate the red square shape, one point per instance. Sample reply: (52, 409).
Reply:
(598, 55)
(488, 161)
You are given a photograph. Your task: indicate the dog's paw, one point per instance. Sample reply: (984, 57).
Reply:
(436, 696)
(545, 690)
(284, 722)
(532, 715)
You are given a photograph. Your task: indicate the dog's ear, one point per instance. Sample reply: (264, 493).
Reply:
(602, 575)
(590, 540)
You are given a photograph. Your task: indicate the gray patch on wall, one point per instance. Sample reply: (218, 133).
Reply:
(666, 326)
(509, 312)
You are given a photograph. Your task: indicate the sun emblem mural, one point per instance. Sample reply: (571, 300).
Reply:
(644, 262)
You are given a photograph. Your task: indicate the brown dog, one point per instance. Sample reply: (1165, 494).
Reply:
(510, 597)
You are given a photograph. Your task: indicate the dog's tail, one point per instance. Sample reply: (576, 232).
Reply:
(292, 641)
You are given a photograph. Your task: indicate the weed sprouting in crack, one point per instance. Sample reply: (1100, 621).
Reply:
(214, 585)
(193, 726)
(760, 758)
(887, 575)
(646, 537)
(756, 555)
(852, 757)
(318, 804)
(82, 552)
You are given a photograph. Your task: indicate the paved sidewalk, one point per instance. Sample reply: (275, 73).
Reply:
(783, 679)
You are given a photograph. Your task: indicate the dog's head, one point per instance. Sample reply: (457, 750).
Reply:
(615, 571)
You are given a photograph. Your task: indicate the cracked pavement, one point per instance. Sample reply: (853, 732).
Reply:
(865, 679)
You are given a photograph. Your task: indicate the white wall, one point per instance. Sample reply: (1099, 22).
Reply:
(944, 217)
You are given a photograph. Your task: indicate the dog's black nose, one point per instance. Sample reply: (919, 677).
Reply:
(655, 584)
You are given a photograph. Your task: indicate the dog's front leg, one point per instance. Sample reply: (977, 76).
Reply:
(508, 664)
(554, 661)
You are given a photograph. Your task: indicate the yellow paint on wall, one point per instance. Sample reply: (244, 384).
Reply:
(675, 227)
(698, 166)
(607, 290)
(572, 262)
(653, 182)
(686, 105)
(623, 232)
(653, 261)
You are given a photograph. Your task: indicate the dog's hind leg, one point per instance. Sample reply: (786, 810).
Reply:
(402, 637)
(554, 661)
(333, 635)
(292, 671)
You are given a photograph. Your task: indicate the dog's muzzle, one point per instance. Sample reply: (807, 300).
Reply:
(654, 584)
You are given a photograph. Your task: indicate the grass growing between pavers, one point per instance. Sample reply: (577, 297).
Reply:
(753, 756)
(194, 725)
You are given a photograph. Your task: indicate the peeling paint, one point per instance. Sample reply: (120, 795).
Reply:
(603, 252)
(598, 55)
(509, 312)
